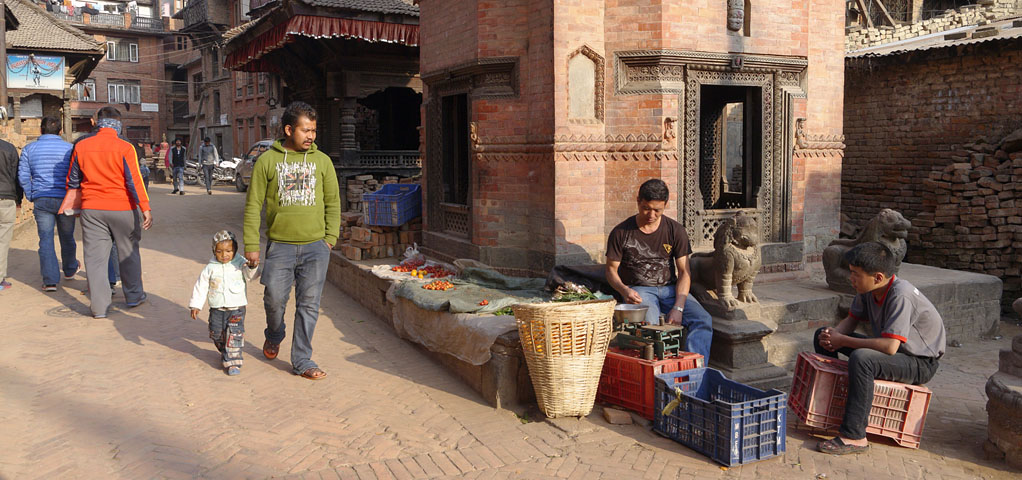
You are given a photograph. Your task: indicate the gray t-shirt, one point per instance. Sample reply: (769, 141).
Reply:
(904, 314)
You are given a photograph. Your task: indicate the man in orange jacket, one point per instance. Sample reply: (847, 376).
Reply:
(115, 209)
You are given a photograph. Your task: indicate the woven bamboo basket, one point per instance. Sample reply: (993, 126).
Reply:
(565, 344)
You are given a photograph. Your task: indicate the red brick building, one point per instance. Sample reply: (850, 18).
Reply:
(925, 123)
(131, 75)
(541, 121)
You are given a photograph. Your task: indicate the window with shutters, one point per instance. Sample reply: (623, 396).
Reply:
(124, 91)
(85, 91)
(122, 50)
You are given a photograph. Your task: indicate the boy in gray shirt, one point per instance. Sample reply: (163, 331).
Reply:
(907, 340)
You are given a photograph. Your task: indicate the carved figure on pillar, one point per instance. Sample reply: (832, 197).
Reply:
(735, 260)
(888, 227)
(735, 15)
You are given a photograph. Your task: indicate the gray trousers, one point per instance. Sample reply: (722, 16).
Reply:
(8, 214)
(100, 229)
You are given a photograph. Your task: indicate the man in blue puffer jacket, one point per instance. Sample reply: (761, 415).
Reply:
(42, 172)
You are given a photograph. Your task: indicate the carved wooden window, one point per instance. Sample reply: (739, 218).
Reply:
(454, 149)
(730, 163)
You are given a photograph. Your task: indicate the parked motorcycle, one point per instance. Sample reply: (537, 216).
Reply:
(224, 171)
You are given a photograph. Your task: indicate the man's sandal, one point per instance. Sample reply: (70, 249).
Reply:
(836, 446)
(270, 350)
(314, 373)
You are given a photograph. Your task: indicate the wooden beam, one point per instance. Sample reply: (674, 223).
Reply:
(864, 12)
(887, 15)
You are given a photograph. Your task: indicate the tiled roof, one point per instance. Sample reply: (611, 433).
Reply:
(400, 7)
(234, 32)
(38, 30)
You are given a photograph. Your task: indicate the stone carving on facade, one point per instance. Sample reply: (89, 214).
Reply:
(599, 67)
(888, 227)
(804, 141)
(669, 132)
(735, 260)
(735, 15)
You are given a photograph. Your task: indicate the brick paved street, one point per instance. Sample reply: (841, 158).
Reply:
(141, 395)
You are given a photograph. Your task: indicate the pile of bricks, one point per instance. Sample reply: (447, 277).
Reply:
(976, 221)
(983, 12)
(365, 242)
(366, 184)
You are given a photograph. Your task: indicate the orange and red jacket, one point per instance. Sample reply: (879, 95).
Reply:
(105, 167)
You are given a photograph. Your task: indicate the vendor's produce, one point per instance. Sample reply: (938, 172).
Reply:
(408, 265)
(436, 271)
(484, 303)
(442, 285)
(571, 292)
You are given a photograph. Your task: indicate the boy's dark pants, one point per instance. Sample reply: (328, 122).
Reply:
(866, 365)
(227, 329)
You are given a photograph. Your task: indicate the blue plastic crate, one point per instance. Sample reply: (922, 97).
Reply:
(392, 205)
(731, 423)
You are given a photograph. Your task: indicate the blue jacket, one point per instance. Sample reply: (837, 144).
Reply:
(42, 170)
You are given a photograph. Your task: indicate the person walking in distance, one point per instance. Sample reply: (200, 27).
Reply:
(115, 209)
(43, 176)
(208, 158)
(298, 185)
(10, 204)
(177, 165)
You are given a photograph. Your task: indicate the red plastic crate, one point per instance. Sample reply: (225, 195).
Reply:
(819, 390)
(630, 381)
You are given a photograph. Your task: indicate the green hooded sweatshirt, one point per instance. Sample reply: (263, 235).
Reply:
(303, 202)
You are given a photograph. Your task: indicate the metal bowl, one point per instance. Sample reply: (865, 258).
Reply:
(630, 313)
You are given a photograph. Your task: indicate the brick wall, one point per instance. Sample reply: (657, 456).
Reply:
(909, 115)
(558, 186)
(148, 71)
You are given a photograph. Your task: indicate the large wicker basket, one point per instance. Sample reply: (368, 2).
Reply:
(565, 344)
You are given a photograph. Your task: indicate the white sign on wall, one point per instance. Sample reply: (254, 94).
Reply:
(150, 107)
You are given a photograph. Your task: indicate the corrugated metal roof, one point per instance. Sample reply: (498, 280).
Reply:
(399, 7)
(38, 30)
(1005, 29)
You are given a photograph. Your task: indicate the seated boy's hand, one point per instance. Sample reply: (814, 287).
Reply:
(195, 313)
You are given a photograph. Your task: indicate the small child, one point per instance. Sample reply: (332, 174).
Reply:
(223, 283)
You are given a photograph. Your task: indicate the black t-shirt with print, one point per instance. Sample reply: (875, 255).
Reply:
(647, 259)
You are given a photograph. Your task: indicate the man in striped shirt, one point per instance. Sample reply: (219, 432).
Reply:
(115, 209)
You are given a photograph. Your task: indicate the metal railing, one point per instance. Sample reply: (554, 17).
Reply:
(112, 20)
(147, 23)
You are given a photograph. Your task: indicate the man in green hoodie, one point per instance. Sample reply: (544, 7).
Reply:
(298, 184)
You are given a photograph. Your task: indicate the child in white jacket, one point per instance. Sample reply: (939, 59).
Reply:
(223, 283)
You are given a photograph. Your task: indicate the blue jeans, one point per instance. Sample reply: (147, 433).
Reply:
(207, 172)
(695, 319)
(46, 218)
(179, 178)
(304, 267)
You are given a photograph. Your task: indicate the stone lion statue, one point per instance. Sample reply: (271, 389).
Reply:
(735, 260)
(888, 227)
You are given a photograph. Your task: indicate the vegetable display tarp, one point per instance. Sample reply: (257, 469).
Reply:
(471, 288)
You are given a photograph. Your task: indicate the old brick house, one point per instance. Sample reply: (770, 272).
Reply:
(47, 61)
(131, 75)
(925, 122)
(541, 120)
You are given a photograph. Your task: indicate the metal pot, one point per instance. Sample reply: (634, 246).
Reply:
(630, 313)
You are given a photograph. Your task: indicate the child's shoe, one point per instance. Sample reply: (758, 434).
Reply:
(234, 370)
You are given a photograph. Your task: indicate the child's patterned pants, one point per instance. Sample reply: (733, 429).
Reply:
(227, 329)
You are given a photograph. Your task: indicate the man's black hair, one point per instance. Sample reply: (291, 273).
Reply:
(50, 126)
(177, 140)
(205, 139)
(872, 257)
(654, 190)
(108, 112)
(294, 110)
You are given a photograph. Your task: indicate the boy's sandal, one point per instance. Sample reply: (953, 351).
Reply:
(314, 373)
(836, 446)
(234, 370)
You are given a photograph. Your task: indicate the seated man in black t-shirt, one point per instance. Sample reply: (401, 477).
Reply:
(647, 263)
